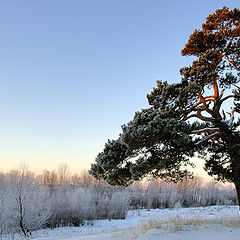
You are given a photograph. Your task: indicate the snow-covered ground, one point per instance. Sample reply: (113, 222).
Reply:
(216, 222)
(210, 232)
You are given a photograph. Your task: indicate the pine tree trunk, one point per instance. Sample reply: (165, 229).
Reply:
(237, 186)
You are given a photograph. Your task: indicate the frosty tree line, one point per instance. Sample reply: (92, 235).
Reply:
(52, 199)
(187, 118)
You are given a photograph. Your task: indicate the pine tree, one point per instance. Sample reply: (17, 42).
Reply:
(183, 119)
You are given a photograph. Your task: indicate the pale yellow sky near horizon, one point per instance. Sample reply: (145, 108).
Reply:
(77, 166)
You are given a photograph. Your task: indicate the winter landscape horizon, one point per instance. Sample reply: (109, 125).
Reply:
(77, 206)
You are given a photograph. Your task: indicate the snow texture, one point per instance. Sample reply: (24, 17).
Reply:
(131, 227)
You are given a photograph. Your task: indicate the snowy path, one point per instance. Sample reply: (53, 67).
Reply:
(166, 224)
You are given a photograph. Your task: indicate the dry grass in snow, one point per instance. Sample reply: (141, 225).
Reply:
(179, 223)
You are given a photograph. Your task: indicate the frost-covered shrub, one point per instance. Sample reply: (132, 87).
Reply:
(189, 193)
(31, 209)
(72, 207)
(24, 205)
(111, 205)
(7, 219)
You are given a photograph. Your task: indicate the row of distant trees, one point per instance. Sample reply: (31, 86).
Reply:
(63, 176)
(58, 198)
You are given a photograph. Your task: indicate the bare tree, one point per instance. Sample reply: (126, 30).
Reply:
(63, 173)
(32, 209)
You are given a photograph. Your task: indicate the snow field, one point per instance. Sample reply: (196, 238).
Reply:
(156, 224)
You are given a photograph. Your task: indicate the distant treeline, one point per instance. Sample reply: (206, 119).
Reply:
(57, 198)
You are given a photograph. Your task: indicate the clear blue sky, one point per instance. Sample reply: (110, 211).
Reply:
(73, 71)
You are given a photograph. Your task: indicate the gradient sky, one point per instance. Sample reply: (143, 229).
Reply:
(73, 71)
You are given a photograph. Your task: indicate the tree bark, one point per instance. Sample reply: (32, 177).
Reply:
(21, 217)
(237, 186)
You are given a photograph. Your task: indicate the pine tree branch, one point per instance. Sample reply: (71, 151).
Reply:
(235, 85)
(208, 137)
(216, 92)
(205, 105)
(206, 130)
(199, 116)
(221, 94)
(206, 100)
(225, 98)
